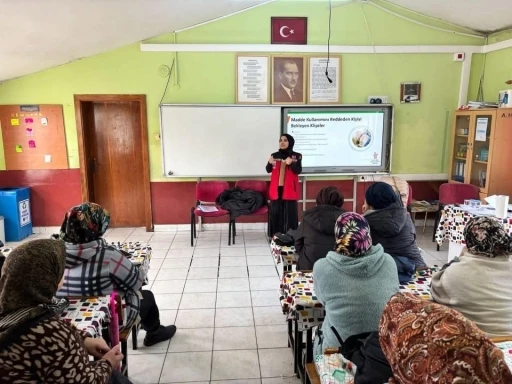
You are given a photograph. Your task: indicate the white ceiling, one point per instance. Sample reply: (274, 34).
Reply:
(40, 34)
(479, 15)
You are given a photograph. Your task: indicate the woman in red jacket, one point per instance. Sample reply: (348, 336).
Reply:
(285, 167)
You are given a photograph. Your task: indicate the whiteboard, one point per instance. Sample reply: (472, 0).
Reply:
(218, 140)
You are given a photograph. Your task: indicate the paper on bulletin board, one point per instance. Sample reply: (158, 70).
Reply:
(481, 129)
(15, 122)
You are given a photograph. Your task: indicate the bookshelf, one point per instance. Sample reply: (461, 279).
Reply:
(481, 151)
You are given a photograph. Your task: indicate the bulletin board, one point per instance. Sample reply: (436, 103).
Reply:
(33, 137)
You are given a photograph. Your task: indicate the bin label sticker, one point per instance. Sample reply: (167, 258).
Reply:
(24, 209)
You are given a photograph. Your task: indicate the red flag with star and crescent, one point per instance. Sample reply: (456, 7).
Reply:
(289, 30)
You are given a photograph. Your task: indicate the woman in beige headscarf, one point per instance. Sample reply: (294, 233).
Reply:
(36, 346)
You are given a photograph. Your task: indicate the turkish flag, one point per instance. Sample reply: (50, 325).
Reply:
(289, 30)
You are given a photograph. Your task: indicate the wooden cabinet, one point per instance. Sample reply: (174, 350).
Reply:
(481, 152)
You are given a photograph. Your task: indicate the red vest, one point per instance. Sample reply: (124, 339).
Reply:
(290, 187)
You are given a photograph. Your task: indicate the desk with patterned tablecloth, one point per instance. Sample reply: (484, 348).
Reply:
(452, 223)
(90, 315)
(304, 311)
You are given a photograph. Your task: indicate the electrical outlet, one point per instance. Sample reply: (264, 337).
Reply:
(377, 99)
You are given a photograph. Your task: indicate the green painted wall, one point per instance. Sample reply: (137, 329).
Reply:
(418, 145)
(496, 68)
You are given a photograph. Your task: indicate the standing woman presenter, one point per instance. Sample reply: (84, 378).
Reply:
(285, 166)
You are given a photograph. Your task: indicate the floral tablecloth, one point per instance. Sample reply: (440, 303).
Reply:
(89, 315)
(454, 220)
(506, 348)
(299, 302)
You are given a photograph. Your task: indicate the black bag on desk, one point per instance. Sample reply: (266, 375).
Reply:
(365, 352)
(284, 240)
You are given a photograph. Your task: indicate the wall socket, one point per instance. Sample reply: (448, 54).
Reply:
(383, 99)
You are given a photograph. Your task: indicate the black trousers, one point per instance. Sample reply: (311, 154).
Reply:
(149, 313)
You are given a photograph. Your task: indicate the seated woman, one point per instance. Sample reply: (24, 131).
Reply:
(428, 343)
(315, 236)
(93, 268)
(36, 345)
(479, 285)
(354, 283)
(392, 227)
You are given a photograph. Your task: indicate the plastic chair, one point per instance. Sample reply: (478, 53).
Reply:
(453, 193)
(257, 186)
(206, 194)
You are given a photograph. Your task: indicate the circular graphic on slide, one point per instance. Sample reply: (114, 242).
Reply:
(360, 138)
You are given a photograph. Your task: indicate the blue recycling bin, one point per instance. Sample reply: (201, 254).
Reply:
(15, 208)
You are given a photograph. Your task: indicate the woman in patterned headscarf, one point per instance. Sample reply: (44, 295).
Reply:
(429, 343)
(479, 283)
(95, 269)
(354, 282)
(36, 346)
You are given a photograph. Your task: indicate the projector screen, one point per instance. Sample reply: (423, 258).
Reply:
(344, 139)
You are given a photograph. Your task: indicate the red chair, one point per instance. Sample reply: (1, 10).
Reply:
(257, 186)
(453, 193)
(206, 194)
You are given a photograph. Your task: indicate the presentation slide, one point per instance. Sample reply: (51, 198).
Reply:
(337, 138)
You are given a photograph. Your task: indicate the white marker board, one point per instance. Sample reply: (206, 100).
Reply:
(218, 140)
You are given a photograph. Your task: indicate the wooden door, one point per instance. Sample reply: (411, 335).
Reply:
(114, 160)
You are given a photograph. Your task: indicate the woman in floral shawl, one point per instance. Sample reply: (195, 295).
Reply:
(354, 282)
(429, 343)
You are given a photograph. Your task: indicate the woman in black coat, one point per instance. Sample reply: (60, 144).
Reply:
(315, 236)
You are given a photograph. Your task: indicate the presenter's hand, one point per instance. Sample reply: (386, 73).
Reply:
(271, 160)
(288, 161)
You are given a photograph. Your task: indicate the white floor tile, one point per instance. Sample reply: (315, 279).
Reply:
(257, 251)
(185, 252)
(201, 286)
(268, 315)
(272, 336)
(158, 254)
(230, 272)
(260, 260)
(195, 318)
(215, 244)
(232, 252)
(227, 339)
(186, 367)
(245, 381)
(192, 340)
(202, 273)
(198, 301)
(206, 252)
(234, 317)
(147, 368)
(233, 299)
(180, 244)
(182, 262)
(171, 286)
(201, 262)
(264, 298)
(276, 363)
(229, 365)
(264, 283)
(160, 244)
(172, 274)
(233, 262)
(262, 271)
(233, 285)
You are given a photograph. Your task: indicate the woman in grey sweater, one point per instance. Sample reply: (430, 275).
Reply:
(479, 283)
(353, 283)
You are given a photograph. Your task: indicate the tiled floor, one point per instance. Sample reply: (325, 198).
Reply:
(224, 302)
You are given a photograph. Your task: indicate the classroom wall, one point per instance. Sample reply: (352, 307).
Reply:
(419, 142)
(495, 67)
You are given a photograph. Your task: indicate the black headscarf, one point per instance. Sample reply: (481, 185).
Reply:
(381, 195)
(291, 142)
